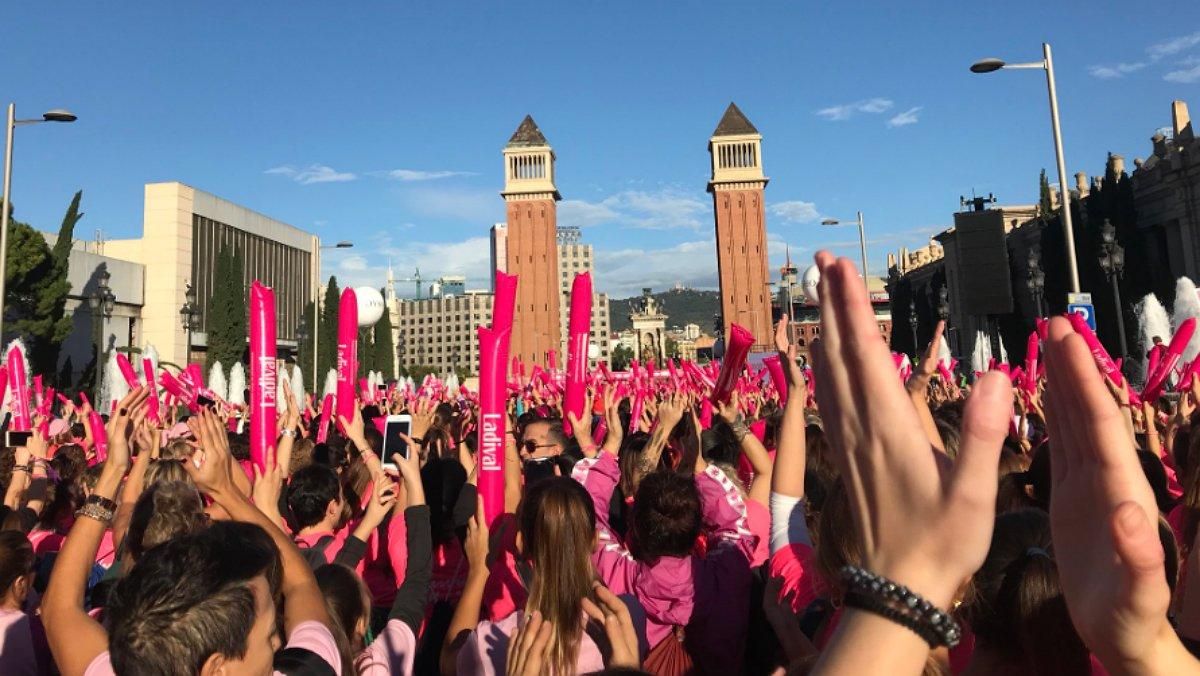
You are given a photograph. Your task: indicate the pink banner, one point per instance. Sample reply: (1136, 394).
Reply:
(493, 421)
(579, 326)
(127, 372)
(21, 420)
(1157, 382)
(778, 379)
(263, 374)
(347, 354)
(152, 401)
(737, 348)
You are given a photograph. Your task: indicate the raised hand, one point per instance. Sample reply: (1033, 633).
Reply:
(422, 416)
(211, 466)
(581, 428)
(1103, 516)
(609, 612)
(529, 647)
(130, 411)
(918, 523)
(612, 420)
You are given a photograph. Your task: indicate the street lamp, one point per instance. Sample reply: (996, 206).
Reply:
(862, 238)
(912, 322)
(102, 302)
(1112, 262)
(55, 115)
(1036, 280)
(316, 274)
(943, 303)
(190, 314)
(1047, 64)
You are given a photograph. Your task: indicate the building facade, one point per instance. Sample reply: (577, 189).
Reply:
(1166, 188)
(649, 329)
(440, 332)
(737, 185)
(575, 257)
(531, 253)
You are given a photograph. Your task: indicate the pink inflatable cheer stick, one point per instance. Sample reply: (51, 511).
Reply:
(504, 305)
(3, 381)
(152, 400)
(347, 354)
(196, 374)
(1031, 363)
(736, 351)
(181, 392)
(127, 373)
(1158, 381)
(326, 412)
(579, 325)
(706, 414)
(552, 360)
(21, 420)
(493, 421)
(99, 435)
(1100, 355)
(37, 389)
(635, 410)
(263, 383)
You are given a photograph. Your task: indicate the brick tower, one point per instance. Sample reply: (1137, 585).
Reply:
(737, 188)
(530, 198)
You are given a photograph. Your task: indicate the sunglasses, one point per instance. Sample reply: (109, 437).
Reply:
(531, 446)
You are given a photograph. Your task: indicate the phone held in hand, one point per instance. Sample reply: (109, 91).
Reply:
(537, 469)
(13, 439)
(392, 441)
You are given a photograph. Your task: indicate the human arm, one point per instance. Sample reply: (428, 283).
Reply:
(612, 421)
(756, 453)
(289, 422)
(512, 473)
(75, 638)
(670, 412)
(918, 387)
(145, 437)
(466, 614)
(22, 476)
(409, 605)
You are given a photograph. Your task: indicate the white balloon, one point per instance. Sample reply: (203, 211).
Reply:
(370, 305)
(808, 283)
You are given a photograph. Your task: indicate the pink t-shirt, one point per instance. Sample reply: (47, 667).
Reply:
(312, 636)
(23, 647)
(392, 651)
(758, 520)
(485, 651)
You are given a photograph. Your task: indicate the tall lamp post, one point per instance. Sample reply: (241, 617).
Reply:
(190, 314)
(1036, 280)
(315, 273)
(301, 335)
(912, 323)
(56, 115)
(1112, 262)
(862, 238)
(1047, 64)
(102, 302)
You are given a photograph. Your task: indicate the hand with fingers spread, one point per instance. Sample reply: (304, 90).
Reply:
(130, 412)
(918, 523)
(1103, 517)
(211, 466)
(611, 613)
(612, 420)
(581, 428)
(268, 486)
(422, 416)
(528, 648)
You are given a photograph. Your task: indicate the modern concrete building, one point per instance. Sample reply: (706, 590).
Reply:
(531, 199)
(440, 332)
(737, 185)
(574, 258)
(183, 229)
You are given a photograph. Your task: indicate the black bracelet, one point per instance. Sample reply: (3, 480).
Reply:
(877, 594)
(101, 501)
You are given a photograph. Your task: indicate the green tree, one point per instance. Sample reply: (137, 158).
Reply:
(327, 346)
(55, 292)
(304, 353)
(384, 348)
(366, 352)
(670, 347)
(1045, 204)
(227, 310)
(32, 291)
(621, 357)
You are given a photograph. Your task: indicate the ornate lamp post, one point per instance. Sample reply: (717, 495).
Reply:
(1036, 280)
(190, 314)
(102, 302)
(1112, 262)
(912, 323)
(301, 335)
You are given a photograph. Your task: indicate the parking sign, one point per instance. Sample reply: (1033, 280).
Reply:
(1087, 310)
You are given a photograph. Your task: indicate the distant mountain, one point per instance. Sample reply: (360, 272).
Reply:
(682, 306)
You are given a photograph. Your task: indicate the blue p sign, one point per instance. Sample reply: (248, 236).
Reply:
(1087, 310)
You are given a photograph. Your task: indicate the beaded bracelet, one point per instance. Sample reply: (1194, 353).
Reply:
(894, 601)
(95, 511)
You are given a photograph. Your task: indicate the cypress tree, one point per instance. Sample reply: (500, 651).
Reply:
(327, 346)
(385, 349)
(1045, 204)
(304, 352)
(55, 293)
(227, 312)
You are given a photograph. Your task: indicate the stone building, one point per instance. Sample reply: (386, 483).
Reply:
(575, 257)
(649, 322)
(1166, 189)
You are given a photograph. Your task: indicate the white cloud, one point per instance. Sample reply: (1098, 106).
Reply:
(795, 211)
(316, 173)
(353, 263)
(847, 110)
(1184, 75)
(470, 258)
(623, 272)
(1173, 46)
(663, 209)
(906, 118)
(1116, 70)
(413, 175)
(455, 203)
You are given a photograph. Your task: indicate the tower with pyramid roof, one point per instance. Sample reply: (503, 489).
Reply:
(737, 185)
(531, 208)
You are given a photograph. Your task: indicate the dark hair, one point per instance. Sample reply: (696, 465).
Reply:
(665, 520)
(1156, 475)
(837, 541)
(819, 471)
(239, 446)
(16, 557)
(1038, 475)
(65, 495)
(443, 479)
(1017, 608)
(189, 599)
(347, 601)
(309, 493)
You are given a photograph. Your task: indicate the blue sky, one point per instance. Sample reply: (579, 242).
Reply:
(382, 122)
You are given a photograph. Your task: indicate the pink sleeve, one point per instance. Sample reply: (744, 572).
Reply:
(724, 512)
(599, 476)
(397, 546)
(316, 637)
(392, 652)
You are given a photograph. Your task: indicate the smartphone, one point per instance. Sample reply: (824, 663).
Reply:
(392, 441)
(13, 439)
(206, 402)
(537, 469)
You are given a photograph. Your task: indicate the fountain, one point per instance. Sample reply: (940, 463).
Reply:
(330, 383)
(237, 385)
(982, 354)
(1152, 322)
(217, 382)
(1187, 306)
(115, 388)
(281, 379)
(298, 386)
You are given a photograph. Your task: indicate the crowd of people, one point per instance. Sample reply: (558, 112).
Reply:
(846, 522)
